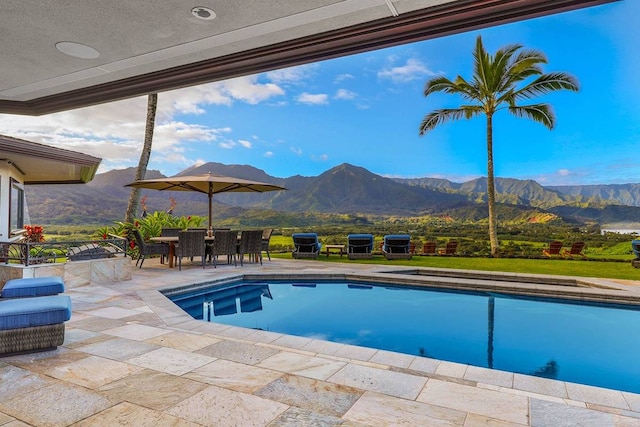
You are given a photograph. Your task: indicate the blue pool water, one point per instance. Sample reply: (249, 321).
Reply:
(592, 344)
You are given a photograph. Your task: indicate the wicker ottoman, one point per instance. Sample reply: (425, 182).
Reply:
(33, 324)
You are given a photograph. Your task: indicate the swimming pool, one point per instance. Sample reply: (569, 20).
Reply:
(590, 343)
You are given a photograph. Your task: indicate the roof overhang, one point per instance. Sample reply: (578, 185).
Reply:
(43, 164)
(147, 47)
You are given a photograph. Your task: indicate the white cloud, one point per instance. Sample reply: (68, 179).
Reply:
(244, 143)
(313, 99)
(296, 150)
(412, 69)
(344, 94)
(342, 77)
(268, 154)
(564, 172)
(115, 131)
(227, 144)
(248, 90)
(292, 75)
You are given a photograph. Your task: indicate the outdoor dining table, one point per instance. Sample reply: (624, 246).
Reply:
(171, 241)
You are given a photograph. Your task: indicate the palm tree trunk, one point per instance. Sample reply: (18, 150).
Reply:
(134, 197)
(491, 190)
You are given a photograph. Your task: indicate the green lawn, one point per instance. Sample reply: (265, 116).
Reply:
(563, 267)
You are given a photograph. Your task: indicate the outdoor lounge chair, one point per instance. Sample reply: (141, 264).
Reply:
(429, 248)
(396, 246)
(305, 245)
(450, 248)
(554, 249)
(635, 247)
(575, 250)
(360, 246)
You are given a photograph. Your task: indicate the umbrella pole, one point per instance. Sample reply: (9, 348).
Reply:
(210, 203)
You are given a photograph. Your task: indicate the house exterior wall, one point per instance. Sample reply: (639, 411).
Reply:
(7, 172)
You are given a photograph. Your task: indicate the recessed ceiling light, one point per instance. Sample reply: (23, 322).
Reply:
(77, 50)
(204, 13)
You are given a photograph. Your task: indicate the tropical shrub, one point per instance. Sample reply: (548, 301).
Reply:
(150, 225)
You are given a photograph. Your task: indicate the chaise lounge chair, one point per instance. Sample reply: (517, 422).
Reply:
(305, 245)
(360, 246)
(635, 247)
(553, 249)
(396, 246)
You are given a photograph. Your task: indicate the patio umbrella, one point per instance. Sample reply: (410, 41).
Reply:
(208, 184)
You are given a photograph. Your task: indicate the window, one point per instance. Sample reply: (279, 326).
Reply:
(16, 206)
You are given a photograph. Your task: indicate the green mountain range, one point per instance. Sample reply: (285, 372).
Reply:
(343, 190)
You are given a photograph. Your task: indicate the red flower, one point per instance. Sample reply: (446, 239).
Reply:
(132, 244)
(35, 233)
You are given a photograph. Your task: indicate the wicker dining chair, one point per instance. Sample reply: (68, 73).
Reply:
(191, 244)
(266, 239)
(146, 248)
(170, 232)
(251, 245)
(225, 242)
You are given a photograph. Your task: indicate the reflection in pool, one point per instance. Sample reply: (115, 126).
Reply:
(593, 344)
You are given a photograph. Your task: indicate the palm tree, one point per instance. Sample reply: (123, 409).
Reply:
(494, 87)
(134, 197)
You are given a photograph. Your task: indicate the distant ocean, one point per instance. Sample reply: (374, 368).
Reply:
(621, 230)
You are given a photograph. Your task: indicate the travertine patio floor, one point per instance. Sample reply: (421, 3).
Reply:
(131, 357)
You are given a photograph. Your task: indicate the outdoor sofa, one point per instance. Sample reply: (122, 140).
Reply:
(32, 315)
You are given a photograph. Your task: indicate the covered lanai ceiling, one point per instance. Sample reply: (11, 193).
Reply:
(60, 55)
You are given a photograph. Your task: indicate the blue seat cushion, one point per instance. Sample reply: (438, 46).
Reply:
(304, 235)
(37, 311)
(32, 287)
(360, 236)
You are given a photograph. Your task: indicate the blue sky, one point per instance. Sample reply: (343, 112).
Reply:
(366, 109)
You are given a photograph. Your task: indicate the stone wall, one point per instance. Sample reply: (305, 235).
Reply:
(74, 273)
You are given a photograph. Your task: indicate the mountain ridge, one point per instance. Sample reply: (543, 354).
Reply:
(343, 189)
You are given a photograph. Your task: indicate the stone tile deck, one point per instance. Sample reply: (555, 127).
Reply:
(131, 357)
